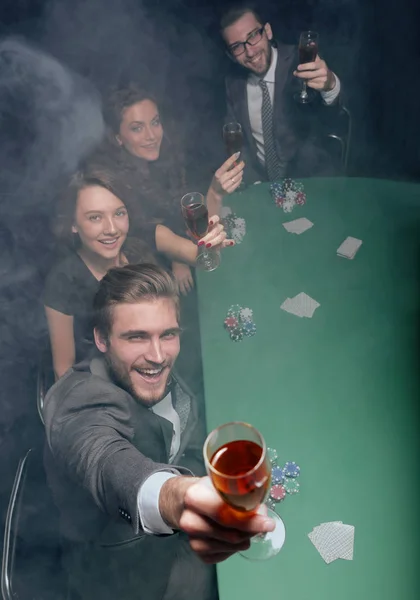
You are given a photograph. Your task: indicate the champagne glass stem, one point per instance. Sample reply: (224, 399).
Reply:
(304, 92)
(207, 260)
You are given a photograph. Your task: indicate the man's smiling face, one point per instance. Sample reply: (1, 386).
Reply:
(256, 58)
(142, 347)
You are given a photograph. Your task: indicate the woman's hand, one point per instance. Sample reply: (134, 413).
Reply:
(183, 276)
(227, 179)
(216, 236)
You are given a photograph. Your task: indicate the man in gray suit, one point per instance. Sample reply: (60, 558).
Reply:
(280, 135)
(123, 440)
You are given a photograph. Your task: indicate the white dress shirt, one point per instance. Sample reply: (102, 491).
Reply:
(148, 495)
(254, 94)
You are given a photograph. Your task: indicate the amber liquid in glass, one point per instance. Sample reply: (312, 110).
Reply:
(240, 484)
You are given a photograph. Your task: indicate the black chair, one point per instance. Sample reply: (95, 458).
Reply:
(341, 133)
(10, 529)
(45, 379)
(31, 565)
(41, 390)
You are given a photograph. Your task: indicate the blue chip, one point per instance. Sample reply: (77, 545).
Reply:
(249, 328)
(291, 469)
(277, 475)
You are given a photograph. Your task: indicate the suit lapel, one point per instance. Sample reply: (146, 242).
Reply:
(167, 433)
(241, 99)
(157, 427)
(284, 73)
(182, 394)
(243, 107)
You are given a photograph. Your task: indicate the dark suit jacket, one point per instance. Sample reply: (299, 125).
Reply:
(297, 128)
(102, 445)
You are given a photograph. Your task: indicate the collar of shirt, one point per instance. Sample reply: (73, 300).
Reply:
(164, 407)
(270, 76)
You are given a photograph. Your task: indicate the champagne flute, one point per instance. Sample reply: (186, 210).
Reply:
(233, 138)
(237, 463)
(308, 51)
(196, 217)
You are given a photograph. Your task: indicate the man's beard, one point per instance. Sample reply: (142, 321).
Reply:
(121, 377)
(268, 55)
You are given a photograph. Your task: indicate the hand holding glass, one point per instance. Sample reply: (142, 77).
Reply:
(308, 51)
(196, 216)
(236, 460)
(233, 138)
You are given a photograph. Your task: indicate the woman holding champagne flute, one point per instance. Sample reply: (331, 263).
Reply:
(147, 158)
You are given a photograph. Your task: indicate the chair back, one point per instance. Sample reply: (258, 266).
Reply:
(44, 380)
(10, 530)
(342, 134)
(31, 565)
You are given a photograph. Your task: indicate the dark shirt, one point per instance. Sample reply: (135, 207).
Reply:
(70, 289)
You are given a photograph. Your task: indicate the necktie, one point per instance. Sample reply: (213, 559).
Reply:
(272, 165)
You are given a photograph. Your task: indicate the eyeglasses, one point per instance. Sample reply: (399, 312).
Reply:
(253, 39)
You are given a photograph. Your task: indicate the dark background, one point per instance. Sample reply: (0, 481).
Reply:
(174, 46)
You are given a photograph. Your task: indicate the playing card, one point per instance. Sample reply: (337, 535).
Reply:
(317, 534)
(298, 226)
(289, 306)
(306, 305)
(349, 247)
(301, 305)
(333, 540)
(324, 544)
(344, 541)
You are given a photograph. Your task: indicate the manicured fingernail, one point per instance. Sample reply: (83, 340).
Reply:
(200, 244)
(211, 223)
(208, 245)
(231, 243)
(236, 155)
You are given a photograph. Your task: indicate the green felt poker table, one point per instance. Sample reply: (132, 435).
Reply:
(338, 393)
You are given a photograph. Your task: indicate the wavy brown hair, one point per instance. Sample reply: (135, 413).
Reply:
(160, 184)
(130, 285)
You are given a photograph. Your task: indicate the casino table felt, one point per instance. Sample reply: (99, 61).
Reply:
(337, 393)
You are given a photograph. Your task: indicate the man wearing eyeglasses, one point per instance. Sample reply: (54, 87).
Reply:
(280, 135)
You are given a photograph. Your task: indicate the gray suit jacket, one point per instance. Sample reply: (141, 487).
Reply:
(102, 445)
(296, 127)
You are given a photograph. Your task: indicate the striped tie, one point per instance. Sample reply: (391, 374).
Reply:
(272, 165)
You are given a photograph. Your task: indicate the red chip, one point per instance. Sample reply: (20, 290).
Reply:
(300, 198)
(231, 322)
(278, 493)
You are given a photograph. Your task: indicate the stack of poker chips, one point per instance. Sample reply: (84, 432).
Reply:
(287, 194)
(283, 479)
(239, 323)
(235, 227)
